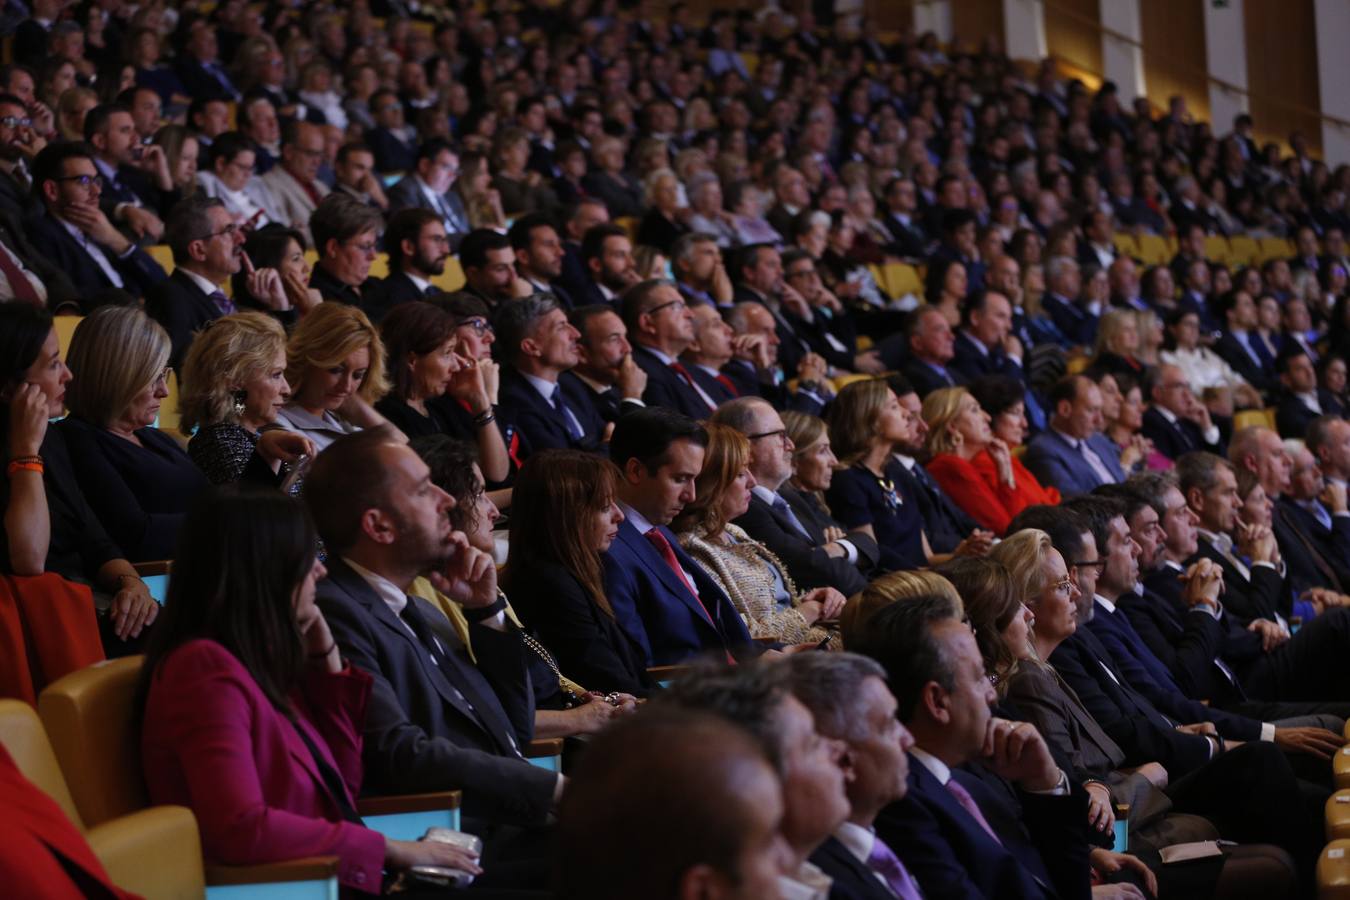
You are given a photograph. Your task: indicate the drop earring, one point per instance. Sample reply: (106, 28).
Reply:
(239, 398)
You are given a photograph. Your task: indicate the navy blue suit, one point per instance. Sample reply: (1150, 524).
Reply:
(666, 388)
(1077, 325)
(972, 362)
(541, 427)
(138, 271)
(925, 378)
(850, 878)
(1172, 439)
(711, 386)
(952, 856)
(1307, 545)
(1293, 416)
(655, 609)
(1056, 463)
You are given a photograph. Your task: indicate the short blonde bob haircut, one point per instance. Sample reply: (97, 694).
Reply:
(326, 337)
(1024, 555)
(115, 353)
(224, 356)
(940, 409)
(853, 418)
(893, 587)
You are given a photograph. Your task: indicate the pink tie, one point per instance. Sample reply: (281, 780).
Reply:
(968, 804)
(885, 863)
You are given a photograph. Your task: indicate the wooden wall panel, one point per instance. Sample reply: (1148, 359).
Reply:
(1174, 52)
(975, 20)
(1073, 32)
(890, 15)
(1282, 66)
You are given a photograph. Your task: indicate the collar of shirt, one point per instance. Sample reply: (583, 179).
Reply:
(709, 369)
(592, 383)
(420, 283)
(807, 883)
(605, 292)
(665, 360)
(1310, 400)
(1071, 441)
(108, 172)
(979, 344)
(766, 495)
(1222, 542)
(908, 462)
(1104, 603)
(1167, 414)
(935, 766)
(636, 519)
(387, 591)
(428, 192)
(542, 385)
(206, 286)
(856, 839)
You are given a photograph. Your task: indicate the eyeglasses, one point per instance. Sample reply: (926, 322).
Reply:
(679, 304)
(231, 229)
(781, 434)
(1086, 564)
(479, 325)
(83, 181)
(1064, 586)
(801, 272)
(368, 249)
(15, 121)
(162, 379)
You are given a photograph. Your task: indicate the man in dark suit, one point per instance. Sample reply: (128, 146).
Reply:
(908, 239)
(944, 829)
(539, 256)
(1301, 400)
(850, 702)
(537, 344)
(660, 596)
(391, 140)
(711, 349)
(758, 273)
(435, 720)
(428, 187)
(416, 242)
(986, 346)
(754, 368)
(661, 327)
(132, 190)
(1061, 302)
(207, 250)
(199, 68)
(1312, 526)
(1176, 421)
(788, 523)
(1239, 346)
(605, 376)
(1072, 454)
(74, 234)
(931, 348)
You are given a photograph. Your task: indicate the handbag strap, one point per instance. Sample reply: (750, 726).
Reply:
(331, 780)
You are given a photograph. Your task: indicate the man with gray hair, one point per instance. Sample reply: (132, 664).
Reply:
(699, 271)
(661, 327)
(537, 344)
(294, 184)
(848, 697)
(1064, 282)
(208, 248)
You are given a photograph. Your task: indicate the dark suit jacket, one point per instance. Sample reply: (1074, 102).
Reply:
(1293, 416)
(806, 560)
(945, 523)
(906, 241)
(792, 346)
(419, 733)
(541, 427)
(748, 383)
(50, 238)
(952, 856)
(1056, 464)
(850, 878)
(391, 153)
(711, 386)
(972, 362)
(1174, 440)
(60, 290)
(1235, 354)
(1259, 597)
(588, 644)
(925, 379)
(1144, 733)
(395, 289)
(182, 308)
(1314, 556)
(1076, 323)
(608, 405)
(666, 388)
(200, 83)
(656, 610)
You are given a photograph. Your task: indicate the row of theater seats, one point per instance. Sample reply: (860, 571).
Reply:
(1333, 868)
(82, 749)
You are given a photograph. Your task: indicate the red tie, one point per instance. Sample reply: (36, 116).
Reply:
(726, 383)
(18, 282)
(658, 540)
(681, 371)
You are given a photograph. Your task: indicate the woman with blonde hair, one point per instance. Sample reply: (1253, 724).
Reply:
(975, 468)
(234, 384)
(564, 515)
(1118, 344)
(751, 575)
(335, 367)
(137, 479)
(893, 587)
(867, 424)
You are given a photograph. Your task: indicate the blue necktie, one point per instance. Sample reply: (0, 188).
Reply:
(781, 505)
(569, 420)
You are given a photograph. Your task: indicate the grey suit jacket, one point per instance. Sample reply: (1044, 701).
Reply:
(290, 203)
(407, 193)
(419, 733)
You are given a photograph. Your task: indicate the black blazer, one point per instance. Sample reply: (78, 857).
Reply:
(588, 645)
(12, 235)
(711, 386)
(1235, 354)
(1314, 556)
(420, 734)
(397, 288)
(925, 379)
(183, 309)
(541, 427)
(198, 82)
(1293, 416)
(608, 405)
(806, 560)
(971, 363)
(138, 271)
(668, 389)
(946, 524)
(1173, 440)
(850, 878)
(907, 241)
(1259, 597)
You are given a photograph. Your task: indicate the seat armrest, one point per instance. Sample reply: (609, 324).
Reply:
(309, 868)
(153, 852)
(153, 567)
(408, 803)
(668, 673)
(543, 747)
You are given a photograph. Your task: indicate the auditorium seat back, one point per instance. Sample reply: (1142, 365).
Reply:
(22, 734)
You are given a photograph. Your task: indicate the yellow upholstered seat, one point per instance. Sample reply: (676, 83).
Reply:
(1333, 872)
(1249, 417)
(161, 254)
(1340, 768)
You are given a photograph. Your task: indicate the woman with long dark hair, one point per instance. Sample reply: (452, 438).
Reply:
(564, 514)
(250, 716)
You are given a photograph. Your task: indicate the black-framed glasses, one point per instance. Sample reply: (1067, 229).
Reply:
(15, 121)
(83, 181)
(231, 229)
(780, 434)
(660, 306)
(1086, 564)
(802, 272)
(479, 325)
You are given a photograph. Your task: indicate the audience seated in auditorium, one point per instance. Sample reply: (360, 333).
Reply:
(346, 237)
(415, 239)
(281, 249)
(1073, 455)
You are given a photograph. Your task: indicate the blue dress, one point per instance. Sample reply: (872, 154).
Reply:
(858, 497)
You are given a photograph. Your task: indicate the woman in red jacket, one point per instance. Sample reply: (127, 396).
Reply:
(251, 717)
(975, 468)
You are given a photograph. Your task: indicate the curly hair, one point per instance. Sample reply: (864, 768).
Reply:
(227, 353)
(327, 336)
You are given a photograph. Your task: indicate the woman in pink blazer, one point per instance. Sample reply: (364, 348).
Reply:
(251, 717)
